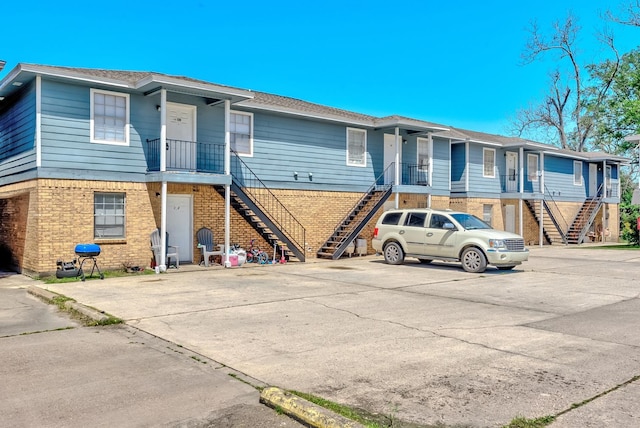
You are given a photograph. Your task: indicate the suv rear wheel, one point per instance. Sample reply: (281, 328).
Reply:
(393, 253)
(473, 260)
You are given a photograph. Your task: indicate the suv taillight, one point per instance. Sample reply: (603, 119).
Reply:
(375, 232)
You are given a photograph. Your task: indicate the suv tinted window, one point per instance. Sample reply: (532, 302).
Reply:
(391, 218)
(415, 219)
(438, 221)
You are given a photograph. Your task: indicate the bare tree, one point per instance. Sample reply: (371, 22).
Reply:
(630, 14)
(563, 112)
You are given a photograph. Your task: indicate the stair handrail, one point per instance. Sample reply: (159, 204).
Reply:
(555, 212)
(594, 206)
(297, 236)
(385, 186)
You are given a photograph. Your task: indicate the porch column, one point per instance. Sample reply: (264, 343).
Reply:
(541, 181)
(397, 169)
(521, 190)
(227, 187)
(163, 192)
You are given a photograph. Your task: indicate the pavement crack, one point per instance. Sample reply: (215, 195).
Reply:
(595, 397)
(433, 333)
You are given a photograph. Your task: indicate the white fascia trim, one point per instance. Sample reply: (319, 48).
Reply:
(633, 138)
(8, 79)
(165, 80)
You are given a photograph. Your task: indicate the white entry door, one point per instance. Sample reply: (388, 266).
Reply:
(510, 218)
(512, 172)
(593, 180)
(180, 225)
(181, 136)
(390, 158)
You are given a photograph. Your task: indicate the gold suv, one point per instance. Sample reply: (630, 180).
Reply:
(428, 235)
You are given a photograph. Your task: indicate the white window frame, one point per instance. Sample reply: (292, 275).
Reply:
(484, 163)
(425, 141)
(250, 115)
(364, 153)
(577, 167)
(532, 174)
(92, 126)
(113, 216)
(487, 214)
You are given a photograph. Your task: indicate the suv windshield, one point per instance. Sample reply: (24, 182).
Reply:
(470, 222)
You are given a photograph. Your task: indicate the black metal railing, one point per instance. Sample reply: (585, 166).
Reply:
(267, 202)
(187, 156)
(411, 174)
(555, 214)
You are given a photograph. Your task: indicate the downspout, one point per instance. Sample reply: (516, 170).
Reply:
(227, 186)
(163, 169)
(521, 190)
(397, 168)
(38, 120)
(542, 200)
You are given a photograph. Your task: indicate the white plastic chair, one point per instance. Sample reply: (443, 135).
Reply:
(172, 250)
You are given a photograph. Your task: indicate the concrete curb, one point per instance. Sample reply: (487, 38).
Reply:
(304, 411)
(84, 310)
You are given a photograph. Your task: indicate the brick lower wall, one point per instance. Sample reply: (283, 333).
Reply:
(43, 220)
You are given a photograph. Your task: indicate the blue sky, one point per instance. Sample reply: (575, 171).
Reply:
(454, 63)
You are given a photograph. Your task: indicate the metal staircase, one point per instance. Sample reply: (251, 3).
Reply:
(350, 226)
(547, 224)
(253, 200)
(584, 219)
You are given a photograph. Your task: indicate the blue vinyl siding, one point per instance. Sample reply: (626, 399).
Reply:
(17, 133)
(558, 178)
(458, 166)
(66, 134)
(441, 165)
(477, 182)
(284, 145)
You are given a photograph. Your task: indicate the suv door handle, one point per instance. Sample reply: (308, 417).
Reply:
(430, 234)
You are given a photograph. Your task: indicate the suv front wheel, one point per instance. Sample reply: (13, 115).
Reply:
(393, 253)
(473, 260)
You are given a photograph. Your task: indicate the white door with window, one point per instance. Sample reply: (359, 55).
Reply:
(181, 136)
(390, 157)
(180, 224)
(512, 172)
(593, 180)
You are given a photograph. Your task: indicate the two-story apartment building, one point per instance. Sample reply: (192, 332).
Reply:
(108, 156)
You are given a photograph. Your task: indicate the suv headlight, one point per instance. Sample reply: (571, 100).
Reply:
(497, 244)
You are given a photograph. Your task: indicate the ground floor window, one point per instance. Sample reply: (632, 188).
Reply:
(108, 215)
(487, 213)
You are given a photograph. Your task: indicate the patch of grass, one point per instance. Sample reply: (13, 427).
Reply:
(611, 247)
(363, 417)
(521, 422)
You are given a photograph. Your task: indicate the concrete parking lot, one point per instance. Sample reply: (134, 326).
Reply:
(422, 343)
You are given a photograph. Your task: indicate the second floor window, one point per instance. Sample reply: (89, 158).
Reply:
(489, 163)
(109, 117)
(356, 147)
(241, 130)
(577, 173)
(532, 167)
(423, 154)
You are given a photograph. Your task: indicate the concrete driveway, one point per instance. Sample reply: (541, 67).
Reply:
(422, 343)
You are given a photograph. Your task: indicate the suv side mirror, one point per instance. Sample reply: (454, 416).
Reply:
(449, 226)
